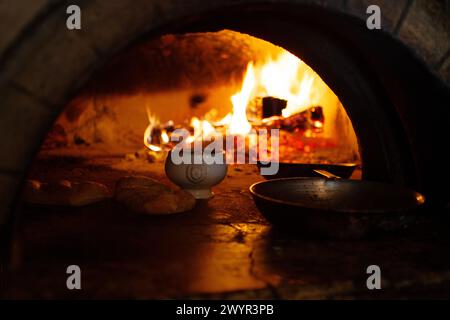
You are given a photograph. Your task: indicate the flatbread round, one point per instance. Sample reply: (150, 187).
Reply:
(65, 193)
(146, 195)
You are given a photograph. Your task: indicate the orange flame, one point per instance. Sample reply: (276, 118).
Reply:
(289, 78)
(202, 128)
(153, 122)
(239, 123)
(285, 77)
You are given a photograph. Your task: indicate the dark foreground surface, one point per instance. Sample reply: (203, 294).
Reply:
(224, 248)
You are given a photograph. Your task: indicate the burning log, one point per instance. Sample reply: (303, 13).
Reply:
(272, 106)
(157, 136)
(312, 118)
(317, 118)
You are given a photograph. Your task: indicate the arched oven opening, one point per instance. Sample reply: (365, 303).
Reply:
(207, 83)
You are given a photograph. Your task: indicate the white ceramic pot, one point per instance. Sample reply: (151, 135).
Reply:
(196, 178)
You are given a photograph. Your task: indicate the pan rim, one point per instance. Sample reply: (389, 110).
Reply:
(338, 164)
(419, 197)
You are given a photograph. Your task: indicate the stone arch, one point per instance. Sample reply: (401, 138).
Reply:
(42, 63)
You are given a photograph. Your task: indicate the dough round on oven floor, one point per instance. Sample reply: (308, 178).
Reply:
(65, 193)
(146, 195)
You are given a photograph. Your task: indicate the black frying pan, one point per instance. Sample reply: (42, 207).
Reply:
(338, 208)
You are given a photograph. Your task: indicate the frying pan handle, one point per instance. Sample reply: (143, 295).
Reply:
(326, 174)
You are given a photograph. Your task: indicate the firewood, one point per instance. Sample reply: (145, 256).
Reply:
(300, 121)
(146, 195)
(272, 106)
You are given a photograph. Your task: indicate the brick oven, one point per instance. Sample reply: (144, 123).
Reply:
(86, 108)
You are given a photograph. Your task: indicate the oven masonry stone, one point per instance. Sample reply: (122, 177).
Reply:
(42, 64)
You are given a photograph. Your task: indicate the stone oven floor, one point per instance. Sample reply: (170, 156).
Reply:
(223, 248)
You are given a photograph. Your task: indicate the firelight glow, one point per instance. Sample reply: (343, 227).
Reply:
(284, 76)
